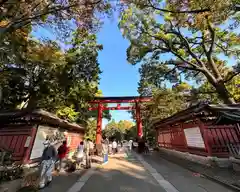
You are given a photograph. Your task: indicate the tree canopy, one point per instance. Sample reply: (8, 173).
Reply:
(49, 78)
(218, 9)
(19, 19)
(117, 130)
(19, 14)
(171, 47)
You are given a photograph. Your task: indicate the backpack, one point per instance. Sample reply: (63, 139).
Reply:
(49, 152)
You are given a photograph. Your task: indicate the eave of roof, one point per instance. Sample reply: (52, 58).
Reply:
(40, 116)
(197, 110)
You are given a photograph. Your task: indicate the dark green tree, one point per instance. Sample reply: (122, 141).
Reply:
(193, 48)
(60, 82)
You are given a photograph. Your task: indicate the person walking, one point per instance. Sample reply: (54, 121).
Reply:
(91, 150)
(62, 153)
(48, 158)
(130, 144)
(105, 151)
(80, 152)
(110, 148)
(87, 147)
(114, 146)
(81, 147)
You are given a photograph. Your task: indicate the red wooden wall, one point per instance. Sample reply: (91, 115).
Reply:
(76, 138)
(14, 138)
(215, 138)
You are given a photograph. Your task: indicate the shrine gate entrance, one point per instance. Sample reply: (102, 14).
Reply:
(98, 104)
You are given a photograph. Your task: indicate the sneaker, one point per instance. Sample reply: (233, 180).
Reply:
(48, 183)
(41, 186)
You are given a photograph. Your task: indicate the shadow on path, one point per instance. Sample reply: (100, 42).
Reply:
(121, 180)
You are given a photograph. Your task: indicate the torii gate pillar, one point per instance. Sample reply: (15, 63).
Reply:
(139, 121)
(99, 124)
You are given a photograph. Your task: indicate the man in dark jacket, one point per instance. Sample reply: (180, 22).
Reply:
(49, 156)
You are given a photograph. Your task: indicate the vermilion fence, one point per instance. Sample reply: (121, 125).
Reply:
(216, 139)
(14, 138)
(220, 136)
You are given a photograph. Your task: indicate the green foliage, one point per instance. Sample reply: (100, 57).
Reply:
(90, 131)
(19, 14)
(188, 11)
(205, 92)
(131, 133)
(67, 113)
(165, 102)
(117, 130)
(57, 81)
(192, 46)
(61, 18)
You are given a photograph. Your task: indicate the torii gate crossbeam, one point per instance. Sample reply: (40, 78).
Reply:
(99, 101)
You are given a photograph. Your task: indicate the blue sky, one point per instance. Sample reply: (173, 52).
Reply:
(119, 78)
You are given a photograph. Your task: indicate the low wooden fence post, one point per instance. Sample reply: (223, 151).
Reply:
(204, 133)
(184, 137)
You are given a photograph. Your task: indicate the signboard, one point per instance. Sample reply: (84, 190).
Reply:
(55, 135)
(194, 137)
(27, 143)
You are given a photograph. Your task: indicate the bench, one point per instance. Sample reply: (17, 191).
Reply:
(234, 150)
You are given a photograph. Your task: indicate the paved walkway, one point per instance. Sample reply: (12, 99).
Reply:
(183, 179)
(134, 173)
(121, 174)
(222, 175)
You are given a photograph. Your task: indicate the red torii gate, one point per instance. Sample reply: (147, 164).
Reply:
(103, 100)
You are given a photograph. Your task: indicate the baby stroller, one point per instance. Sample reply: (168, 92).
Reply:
(78, 159)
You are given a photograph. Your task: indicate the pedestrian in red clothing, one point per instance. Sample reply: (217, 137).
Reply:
(62, 153)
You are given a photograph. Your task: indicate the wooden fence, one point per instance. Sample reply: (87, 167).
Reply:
(216, 139)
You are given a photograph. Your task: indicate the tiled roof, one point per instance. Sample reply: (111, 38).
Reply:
(222, 112)
(37, 115)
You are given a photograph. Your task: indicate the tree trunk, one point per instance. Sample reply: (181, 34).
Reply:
(223, 93)
(220, 87)
(32, 103)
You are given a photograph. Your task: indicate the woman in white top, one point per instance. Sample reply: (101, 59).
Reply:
(110, 148)
(114, 146)
(130, 143)
(80, 152)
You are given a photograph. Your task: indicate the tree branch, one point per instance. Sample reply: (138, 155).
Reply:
(187, 11)
(203, 43)
(23, 22)
(169, 48)
(180, 65)
(179, 34)
(213, 37)
(231, 77)
(205, 92)
(210, 51)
